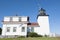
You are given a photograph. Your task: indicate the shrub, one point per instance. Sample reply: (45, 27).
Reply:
(40, 36)
(46, 35)
(21, 37)
(32, 34)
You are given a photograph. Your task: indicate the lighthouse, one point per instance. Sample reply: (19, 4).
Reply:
(43, 21)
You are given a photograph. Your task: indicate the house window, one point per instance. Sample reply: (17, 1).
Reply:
(8, 29)
(28, 29)
(23, 29)
(14, 29)
(32, 29)
(19, 19)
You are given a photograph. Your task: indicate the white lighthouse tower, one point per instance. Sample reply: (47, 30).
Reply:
(43, 21)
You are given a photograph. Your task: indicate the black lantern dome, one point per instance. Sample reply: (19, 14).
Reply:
(42, 12)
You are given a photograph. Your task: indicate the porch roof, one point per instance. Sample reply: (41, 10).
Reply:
(33, 24)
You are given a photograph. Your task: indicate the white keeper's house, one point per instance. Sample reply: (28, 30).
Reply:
(20, 25)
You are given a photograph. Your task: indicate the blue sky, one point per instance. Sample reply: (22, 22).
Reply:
(30, 8)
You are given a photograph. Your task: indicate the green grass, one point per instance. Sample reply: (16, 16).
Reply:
(30, 38)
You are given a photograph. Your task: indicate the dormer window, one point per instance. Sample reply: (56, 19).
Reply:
(10, 18)
(19, 19)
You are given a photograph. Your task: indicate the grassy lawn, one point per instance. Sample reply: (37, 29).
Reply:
(29, 38)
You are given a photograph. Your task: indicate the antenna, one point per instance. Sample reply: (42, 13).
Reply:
(38, 2)
(16, 15)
